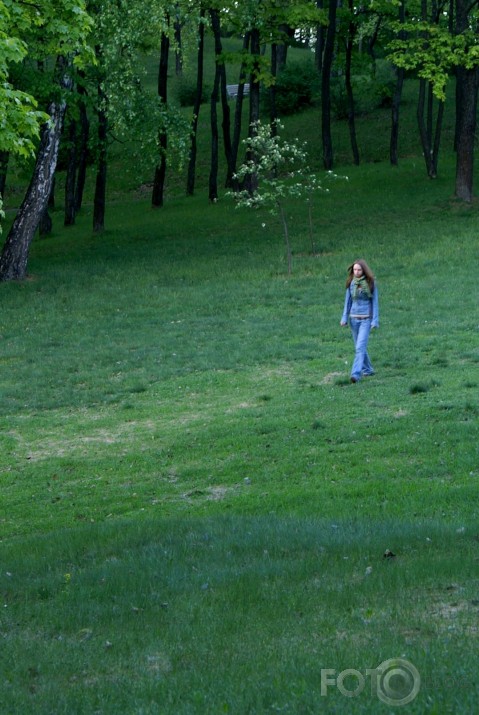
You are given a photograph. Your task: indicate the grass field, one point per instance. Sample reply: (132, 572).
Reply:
(199, 513)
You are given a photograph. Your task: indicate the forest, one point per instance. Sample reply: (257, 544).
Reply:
(81, 80)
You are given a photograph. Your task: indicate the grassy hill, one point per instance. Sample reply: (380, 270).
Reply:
(199, 513)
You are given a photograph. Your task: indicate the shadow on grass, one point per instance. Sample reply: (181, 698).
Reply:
(180, 614)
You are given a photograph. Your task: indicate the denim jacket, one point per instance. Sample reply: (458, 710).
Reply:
(362, 306)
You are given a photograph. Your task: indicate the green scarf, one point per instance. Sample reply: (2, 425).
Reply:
(360, 288)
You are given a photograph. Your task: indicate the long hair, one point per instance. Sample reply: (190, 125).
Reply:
(367, 272)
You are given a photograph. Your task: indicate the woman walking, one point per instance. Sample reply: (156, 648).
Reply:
(361, 309)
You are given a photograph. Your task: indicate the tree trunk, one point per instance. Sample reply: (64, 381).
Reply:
(99, 200)
(289, 253)
(466, 107)
(430, 136)
(273, 114)
(70, 180)
(465, 132)
(319, 46)
(219, 90)
(251, 181)
(160, 171)
(396, 100)
(82, 155)
(178, 48)
(14, 257)
(349, 86)
(326, 87)
(288, 34)
(213, 178)
(190, 181)
(372, 42)
(230, 182)
(4, 157)
(45, 226)
(226, 118)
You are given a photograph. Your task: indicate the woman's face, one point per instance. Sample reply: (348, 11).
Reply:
(357, 270)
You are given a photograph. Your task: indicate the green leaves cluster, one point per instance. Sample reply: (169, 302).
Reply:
(278, 166)
(32, 32)
(19, 117)
(433, 51)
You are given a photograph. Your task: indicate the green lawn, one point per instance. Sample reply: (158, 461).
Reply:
(197, 507)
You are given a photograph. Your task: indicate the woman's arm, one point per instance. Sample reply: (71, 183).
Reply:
(347, 307)
(375, 307)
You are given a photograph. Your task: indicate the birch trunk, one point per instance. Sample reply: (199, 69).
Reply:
(14, 258)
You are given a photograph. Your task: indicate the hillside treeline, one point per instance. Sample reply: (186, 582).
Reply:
(74, 81)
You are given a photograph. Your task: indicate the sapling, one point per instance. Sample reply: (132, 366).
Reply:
(280, 172)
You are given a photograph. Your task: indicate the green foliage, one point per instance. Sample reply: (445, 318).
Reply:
(186, 91)
(274, 163)
(297, 87)
(433, 52)
(370, 90)
(20, 118)
(385, 81)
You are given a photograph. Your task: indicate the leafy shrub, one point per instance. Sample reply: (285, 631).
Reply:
(186, 92)
(364, 94)
(372, 89)
(385, 80)
(297, 87)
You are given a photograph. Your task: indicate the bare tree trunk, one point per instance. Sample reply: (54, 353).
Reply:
(45, 226)
(219, 91)
(70, 180)
(213, 177)
(4, 157)
(178, 48)
(99, 200)
(226, 117)
(430, 136)
(319, 46)
(160, 171)
(82, 155)
(372, 41)
(237, 118)
(289, 253)
(396, 100)
(251, 181)
(288, 34)
(190, 181)
(466, 129)
(273, 114)
(326, 87)
(349, 86)
(466, 107)
(14, 257)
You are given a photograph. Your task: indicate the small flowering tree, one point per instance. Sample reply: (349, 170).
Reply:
(280, 172)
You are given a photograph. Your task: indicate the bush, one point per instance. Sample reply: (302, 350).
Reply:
(370, 90)
(364, 93)
(385, 80)
(186, 92)
(297, 87)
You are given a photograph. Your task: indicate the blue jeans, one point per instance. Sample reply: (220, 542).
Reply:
(362, 364)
